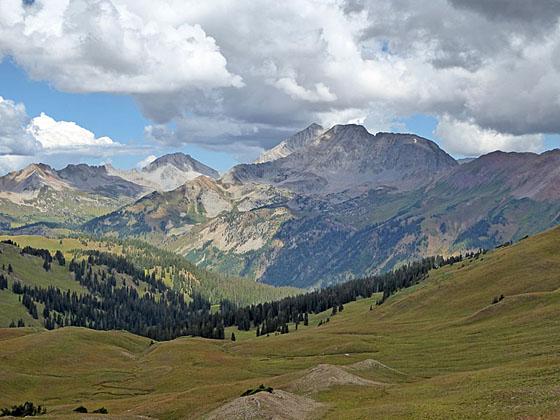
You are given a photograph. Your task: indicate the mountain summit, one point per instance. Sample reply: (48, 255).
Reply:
(292, 144)
(81, 178)
(167, 172)
(347, 157)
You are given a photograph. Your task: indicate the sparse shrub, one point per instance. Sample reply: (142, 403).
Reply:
(497, 299)
(23, 410)
(80, 409)
(101, 410)
(260, 388)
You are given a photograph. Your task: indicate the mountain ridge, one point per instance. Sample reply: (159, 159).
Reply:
(348, 156)
(268, 230)
(167, 172)
(78, 192)
(355, 201)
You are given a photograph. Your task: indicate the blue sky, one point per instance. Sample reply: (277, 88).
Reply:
(118, 116)
(195, 80)
(115, 116)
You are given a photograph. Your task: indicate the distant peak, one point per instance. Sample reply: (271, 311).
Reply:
(182, 162)
(37, 167)
(313, 126)
(177, 159)
(357, 128)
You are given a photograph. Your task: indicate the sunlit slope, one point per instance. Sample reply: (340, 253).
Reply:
(212, 286)
(448, 352)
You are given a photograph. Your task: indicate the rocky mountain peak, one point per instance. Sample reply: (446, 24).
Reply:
(348, 129)
(184, 163)
(347, 156)
(292, 144)
(179, 160)
(39, 168)
(32, 178)
(166, 172)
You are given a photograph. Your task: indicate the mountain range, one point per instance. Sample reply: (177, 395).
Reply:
(76, 193)
(324, 205)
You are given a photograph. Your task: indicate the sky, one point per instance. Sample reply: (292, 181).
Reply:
(123, 81)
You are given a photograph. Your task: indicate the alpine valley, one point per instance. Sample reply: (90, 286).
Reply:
(324, 206)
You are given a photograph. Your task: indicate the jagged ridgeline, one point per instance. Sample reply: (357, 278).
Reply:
(105, 291)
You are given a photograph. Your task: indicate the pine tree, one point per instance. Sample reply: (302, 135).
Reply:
(10, 269)
(232, 336)
(59, 256)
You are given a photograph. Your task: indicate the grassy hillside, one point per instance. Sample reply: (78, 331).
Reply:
(28, 270)
(445, 351)
(174, 270)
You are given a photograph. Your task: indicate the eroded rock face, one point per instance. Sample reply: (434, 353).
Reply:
(292, 144)
(348, 157)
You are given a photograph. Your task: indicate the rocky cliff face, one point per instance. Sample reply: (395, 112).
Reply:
(292, 144)
(348, 157)
(167, 172)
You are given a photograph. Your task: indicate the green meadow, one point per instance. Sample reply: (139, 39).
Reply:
(442, 349)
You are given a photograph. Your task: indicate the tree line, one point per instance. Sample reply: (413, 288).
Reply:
(162, 313)
(275, 316)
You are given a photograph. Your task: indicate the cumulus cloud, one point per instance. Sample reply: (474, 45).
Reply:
(104, 46)
(24, 140)
(67, 136)
(466, 138)
(221, 73)
(14, 138)
(320, 93)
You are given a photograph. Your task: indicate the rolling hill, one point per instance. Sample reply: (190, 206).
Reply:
(447, 347)
(174, 272)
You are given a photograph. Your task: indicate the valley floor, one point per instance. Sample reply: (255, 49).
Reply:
(441, 349)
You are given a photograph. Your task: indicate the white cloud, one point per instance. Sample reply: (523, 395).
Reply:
(104, 46)
(320, 93)
(9, 163)
(67, 136)
(24, 140)
(146, 161)
(14, 139)
(249, 72)
(465, 138)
